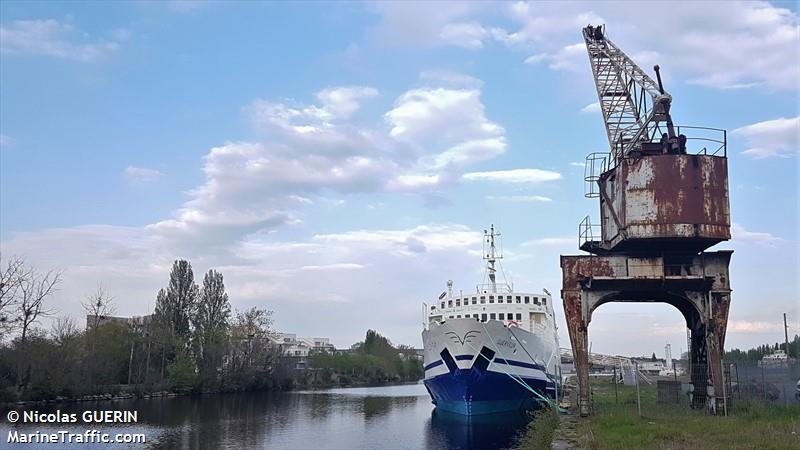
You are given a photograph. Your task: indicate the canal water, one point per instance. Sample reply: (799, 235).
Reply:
(387, 417)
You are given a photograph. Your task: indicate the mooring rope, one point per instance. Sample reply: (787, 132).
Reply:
(519, 380)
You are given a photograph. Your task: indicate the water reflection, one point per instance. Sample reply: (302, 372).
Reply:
(378, 417)
(454, 431)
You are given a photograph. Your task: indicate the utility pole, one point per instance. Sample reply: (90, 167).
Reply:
(786, 334)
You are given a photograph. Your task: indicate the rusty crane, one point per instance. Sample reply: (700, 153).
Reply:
(663, 202)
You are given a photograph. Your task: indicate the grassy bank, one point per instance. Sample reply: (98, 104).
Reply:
(616, 424)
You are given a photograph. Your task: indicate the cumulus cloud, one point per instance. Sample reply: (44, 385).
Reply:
(520, 198)
(52, 38)
(771, 138)
(743, 45)
(591, 108)
(360, 267)
(740, 233)
(514, 176)
(141, 174)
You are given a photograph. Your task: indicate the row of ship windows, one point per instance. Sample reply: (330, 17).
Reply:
(509, 299)
(491, 316)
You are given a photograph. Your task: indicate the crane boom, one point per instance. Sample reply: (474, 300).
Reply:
(633, 105)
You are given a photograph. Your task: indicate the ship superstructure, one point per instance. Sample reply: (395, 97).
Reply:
(492, 349)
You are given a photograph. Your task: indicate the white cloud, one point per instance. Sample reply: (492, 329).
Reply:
(741, 45)
(577, 164)
(141, 174)
(342, 102)
(5, 141)
(754, 326)
(771, 138)
(417, 24)
(591, 108)
(448, 126)
(567, 57)
(520, 198)
(451, 78)
(427, 112)
(739, 233)
(514, 176)
(468, 35)
(51, 38)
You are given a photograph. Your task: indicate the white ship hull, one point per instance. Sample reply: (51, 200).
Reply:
(474, 367)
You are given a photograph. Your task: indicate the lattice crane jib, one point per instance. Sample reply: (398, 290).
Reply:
(635, 107)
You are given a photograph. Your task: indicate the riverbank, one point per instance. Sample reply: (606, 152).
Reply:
(134, 393)
(616, 424)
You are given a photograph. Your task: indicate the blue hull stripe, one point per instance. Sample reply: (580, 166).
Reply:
(509, 362)
(518, 363)
(472, 392)
(434, 364)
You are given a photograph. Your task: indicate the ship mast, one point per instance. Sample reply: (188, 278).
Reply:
(491, 257)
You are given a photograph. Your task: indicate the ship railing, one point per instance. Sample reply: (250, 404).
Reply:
(499, 288)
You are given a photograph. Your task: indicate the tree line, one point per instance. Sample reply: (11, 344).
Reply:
(756, 353)
(374, 360)
(192, 342)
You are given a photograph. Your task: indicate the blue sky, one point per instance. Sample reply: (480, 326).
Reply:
(337, 162)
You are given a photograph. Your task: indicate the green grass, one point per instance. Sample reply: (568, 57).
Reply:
(616, 424)
(540, 432)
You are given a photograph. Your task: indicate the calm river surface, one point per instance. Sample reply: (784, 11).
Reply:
(389, 417)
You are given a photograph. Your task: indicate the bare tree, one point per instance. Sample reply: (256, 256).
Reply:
(33, 290)
(98, 305)
(11, 278)
(64, 329)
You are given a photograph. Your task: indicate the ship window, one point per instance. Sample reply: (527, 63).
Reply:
(508, 299)
(450, 303)
(458, 302)
(474, 316)
(450, 317)
(483, 317)
(536, 300)
(458, 316)
(544, 301)
(527, 299)
(519, 299)
(442, 305)
(492, 316)
(501, 316)
(519, 316)
(474, 301)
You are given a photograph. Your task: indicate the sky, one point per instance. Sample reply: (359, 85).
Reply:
(338, 162)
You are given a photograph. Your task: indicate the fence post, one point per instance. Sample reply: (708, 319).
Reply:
(724, 391)
(638, 396)
(616, 397)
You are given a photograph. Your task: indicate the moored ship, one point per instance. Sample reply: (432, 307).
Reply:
(492, 350)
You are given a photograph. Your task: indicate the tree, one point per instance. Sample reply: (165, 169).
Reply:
(653, 358)
(210, 321)
(34, 288)
(98, 305)
(175, 304)
(11, 278)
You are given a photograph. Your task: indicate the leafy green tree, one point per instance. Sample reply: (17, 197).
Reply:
(175, 304)
(211, 323)
(181, 373)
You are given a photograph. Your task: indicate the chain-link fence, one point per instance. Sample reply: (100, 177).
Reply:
(637, 390)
